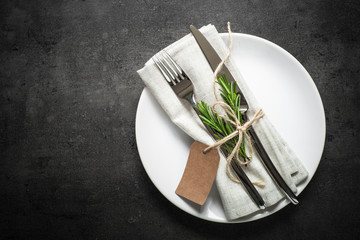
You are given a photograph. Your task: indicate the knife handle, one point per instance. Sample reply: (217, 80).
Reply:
(270, 167)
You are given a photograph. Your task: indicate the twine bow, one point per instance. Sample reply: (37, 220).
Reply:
(240, 131)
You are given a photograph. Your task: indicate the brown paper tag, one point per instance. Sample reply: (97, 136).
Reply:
(199, 174)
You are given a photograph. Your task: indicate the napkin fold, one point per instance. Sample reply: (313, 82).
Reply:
(236, 201)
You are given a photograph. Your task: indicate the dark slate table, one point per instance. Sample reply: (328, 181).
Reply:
(69, 166)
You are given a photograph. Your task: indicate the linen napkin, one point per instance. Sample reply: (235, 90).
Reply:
(236, 201)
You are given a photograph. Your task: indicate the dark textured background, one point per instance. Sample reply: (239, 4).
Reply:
(69, 166)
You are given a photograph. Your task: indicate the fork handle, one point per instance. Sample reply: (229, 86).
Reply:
(270, 167)
(249, 187)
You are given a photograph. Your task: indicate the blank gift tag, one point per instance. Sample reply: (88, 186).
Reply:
(199, 174)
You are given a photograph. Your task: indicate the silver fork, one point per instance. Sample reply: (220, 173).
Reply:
(183, 88)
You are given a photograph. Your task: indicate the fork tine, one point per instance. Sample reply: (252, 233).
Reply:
(177, 68)
(165, 72)
(166, 61)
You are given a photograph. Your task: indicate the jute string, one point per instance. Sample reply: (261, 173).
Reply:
(241, 129)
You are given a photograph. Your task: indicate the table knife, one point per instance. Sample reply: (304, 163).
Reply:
(214, 59)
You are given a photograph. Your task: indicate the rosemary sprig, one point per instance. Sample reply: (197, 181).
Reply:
(222, 127)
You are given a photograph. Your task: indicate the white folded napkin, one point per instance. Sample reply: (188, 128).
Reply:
(236, 201)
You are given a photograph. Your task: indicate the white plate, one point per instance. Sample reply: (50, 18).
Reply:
(288, 96)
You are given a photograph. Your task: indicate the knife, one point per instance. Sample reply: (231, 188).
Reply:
(214, 59)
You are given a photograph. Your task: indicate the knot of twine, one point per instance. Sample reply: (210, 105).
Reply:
(241, 129)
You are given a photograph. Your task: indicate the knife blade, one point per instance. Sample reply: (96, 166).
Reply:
(214, 59)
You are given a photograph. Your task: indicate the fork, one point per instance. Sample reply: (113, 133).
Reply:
(183, 88)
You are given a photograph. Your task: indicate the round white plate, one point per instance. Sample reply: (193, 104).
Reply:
(288, 96)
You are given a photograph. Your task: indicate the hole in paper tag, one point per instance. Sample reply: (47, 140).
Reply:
(199, 174)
